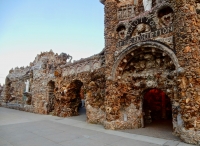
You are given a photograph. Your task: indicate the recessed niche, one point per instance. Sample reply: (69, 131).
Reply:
(165, 15)
(121, 30)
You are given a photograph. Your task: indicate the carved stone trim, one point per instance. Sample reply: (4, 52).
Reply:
(157, 45)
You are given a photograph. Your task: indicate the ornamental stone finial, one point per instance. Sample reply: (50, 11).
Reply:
(102, 1)
(147, 5)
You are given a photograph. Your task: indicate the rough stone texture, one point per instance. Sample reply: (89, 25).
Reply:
(56, 86)
(153, 49)
(145, 51)
(1, 93)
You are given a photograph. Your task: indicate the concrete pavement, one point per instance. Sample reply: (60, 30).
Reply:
(18, 128)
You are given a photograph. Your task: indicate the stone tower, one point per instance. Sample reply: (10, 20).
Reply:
(153, 46)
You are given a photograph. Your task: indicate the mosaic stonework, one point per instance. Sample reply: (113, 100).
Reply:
(148, 70)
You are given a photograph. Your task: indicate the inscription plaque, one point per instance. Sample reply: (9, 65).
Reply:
(145, 36)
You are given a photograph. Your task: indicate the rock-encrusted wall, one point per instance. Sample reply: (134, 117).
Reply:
(15, 86)
(110, 47)
(187, 26)
(145, 71)
(95, 97)
(157, 48)
(1, 93)
(44, 66)
(52, 84)
(27, 88)
(148, 48)
(83, 79)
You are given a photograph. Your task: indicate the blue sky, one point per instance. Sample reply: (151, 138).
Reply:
(28, 27)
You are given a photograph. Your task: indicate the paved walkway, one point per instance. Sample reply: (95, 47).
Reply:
(159, 129)
(19, 128)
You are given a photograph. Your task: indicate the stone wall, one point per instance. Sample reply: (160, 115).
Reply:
(187, 48)
(84, 78)
(52, 84)
(14, 85)
(157, 48)
(1, 93)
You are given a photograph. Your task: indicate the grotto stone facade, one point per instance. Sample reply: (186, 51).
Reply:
(1, 93)
(149, 69)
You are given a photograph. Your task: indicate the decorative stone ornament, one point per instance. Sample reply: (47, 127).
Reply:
(147, 5)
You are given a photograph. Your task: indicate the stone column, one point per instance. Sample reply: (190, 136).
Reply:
(110, 47)
(110, 33)
(186, 31)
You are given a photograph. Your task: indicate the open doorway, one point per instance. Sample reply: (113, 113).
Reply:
(156, 106)
(82, 110)
(157, 111)
(157, 114)
(78, 90)
(75, 90)
(51, 102)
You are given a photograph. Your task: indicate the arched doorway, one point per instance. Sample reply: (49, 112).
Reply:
(82, 109)
(139, 69)
(51, 101)
(157, 107)
(68, 99)
(75, 91)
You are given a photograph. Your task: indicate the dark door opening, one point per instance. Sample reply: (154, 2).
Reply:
(77, 93)
(157, 107)
(82, 110)
(51, 102)
(76, 90)
(157, 111)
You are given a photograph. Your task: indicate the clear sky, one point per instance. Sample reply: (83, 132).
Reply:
(28, 27)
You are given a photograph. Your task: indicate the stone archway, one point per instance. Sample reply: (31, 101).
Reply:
(134, 50)
(138, 68)
(79, 94)
(74, 94)
(146, 68)
(68, 98)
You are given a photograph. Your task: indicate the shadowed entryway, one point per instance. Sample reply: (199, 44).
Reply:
(156, 106)
(157, 111)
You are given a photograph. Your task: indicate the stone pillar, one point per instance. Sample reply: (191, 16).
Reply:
(110, 33)
(186, 30)
(110, 47)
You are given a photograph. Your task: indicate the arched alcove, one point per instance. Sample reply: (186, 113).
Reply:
(139, 68)
(133, 51)
(76, 94)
